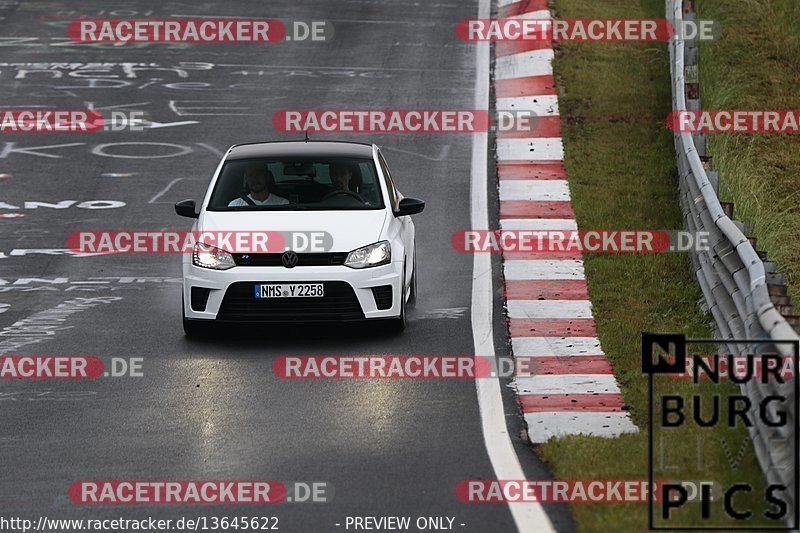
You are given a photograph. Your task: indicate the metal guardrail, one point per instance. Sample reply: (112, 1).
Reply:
(730, 272)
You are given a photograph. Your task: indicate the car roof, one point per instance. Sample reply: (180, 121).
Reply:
(300, 149)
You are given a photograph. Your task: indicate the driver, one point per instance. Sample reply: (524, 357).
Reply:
(341, 176)
(258, 177)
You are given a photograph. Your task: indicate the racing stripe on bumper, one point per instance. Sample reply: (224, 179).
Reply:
(568, 386)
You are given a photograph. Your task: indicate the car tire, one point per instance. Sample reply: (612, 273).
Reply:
(398, 325)
(412, 297)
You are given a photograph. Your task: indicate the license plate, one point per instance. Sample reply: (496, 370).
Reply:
(290, 290)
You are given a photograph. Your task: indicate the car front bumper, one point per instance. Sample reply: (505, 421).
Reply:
(340, 278)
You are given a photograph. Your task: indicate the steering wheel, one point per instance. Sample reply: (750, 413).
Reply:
(348, 193)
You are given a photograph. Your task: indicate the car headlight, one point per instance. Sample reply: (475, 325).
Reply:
(206, 256)
(373, 255)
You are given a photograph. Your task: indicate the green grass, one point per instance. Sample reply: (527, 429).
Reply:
(756, 65)
(614, 99)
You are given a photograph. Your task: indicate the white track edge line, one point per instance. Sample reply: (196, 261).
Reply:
(529, 517)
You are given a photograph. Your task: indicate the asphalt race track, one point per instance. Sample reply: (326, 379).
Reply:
(213, 409)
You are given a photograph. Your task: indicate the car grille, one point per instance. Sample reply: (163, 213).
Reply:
(304, 259)
(338, 304)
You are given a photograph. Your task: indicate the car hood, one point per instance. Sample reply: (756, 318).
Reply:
(348, 229)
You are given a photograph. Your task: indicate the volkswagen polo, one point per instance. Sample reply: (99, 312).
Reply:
(342, 190)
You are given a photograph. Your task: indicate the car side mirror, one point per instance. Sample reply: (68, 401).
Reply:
(186, 208)
(409, 206)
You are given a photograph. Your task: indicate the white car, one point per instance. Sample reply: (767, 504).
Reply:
(340, 189)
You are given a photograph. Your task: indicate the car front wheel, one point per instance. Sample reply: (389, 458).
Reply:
(398, 325)
(412, 297)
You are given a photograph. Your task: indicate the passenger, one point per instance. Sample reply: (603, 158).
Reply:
(341, 175)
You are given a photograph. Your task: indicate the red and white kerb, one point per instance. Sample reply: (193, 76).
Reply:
(573, 389)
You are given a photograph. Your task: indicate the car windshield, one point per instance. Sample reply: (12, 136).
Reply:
(288, 184)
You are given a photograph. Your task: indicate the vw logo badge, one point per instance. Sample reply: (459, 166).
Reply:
(289, 259)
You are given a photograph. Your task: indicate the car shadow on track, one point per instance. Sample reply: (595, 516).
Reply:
(295, 335)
